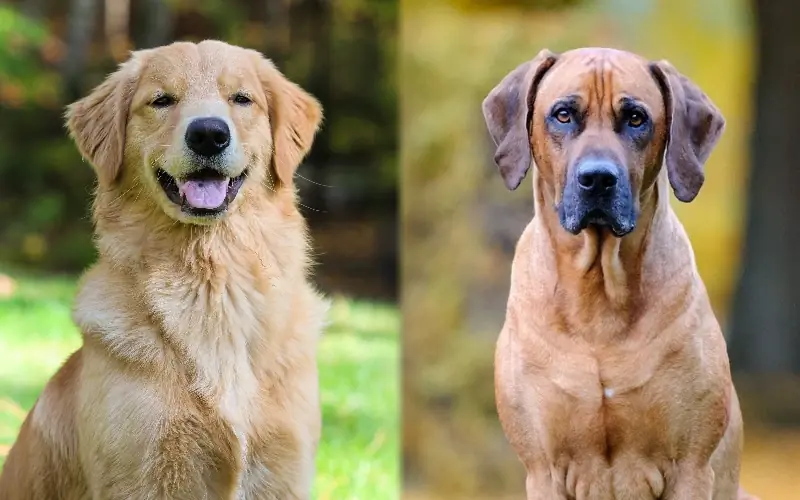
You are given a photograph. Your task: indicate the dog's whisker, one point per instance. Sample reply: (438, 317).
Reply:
(314, 209)
(121, 195)
(313, 182)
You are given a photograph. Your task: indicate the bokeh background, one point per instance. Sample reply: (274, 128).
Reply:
(460, 224)
(344, 52)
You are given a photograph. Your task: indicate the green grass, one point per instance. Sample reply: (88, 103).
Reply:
(358, 457)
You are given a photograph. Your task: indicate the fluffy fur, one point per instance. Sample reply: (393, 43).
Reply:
(197, 377)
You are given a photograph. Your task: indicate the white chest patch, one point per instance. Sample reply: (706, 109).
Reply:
(243, 444)
(608, 392)
(232, 379)
(235, 407)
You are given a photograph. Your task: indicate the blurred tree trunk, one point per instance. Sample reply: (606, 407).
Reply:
(310, 22)
(765, 334)
(278, 30)
(152, 23)
(158, 23)
(117, 21)
(34, 9)
(80, 27)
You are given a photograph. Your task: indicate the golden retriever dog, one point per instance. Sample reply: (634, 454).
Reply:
(612, 378)
(197, 376)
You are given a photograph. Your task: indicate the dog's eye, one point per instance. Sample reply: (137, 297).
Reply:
(636, 119)
(563, 115)
(241, 99)
(163, 101)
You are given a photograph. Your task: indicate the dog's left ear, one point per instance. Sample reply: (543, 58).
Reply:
(694, 126)
(295, 117)
(507, 111)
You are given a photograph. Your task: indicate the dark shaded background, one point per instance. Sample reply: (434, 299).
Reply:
(54, 51)
(460, 224)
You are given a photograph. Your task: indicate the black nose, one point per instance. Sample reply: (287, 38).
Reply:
(597, 176)
(208, 136)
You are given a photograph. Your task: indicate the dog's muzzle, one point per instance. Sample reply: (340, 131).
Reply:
(597, 193)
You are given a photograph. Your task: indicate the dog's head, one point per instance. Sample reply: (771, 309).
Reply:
(599, 124)
(194, 128)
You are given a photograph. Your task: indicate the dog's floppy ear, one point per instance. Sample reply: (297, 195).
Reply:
(507, 110)
(97, 122)
(694, 126)
(295, 117)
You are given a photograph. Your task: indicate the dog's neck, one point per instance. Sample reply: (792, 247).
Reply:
(136, 234)
(202, 285)
(595, 273)
(221, 308)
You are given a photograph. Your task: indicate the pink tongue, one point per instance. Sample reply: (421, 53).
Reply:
(207, 193)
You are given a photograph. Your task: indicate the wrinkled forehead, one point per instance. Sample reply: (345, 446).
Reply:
(199, 69)
(600, 77)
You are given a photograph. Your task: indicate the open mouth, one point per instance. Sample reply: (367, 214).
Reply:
(202, 193)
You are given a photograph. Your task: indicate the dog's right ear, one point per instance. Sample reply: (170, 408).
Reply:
(508, 109)
(97, 122)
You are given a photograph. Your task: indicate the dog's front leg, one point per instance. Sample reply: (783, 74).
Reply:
(692, 482)
(539, 485)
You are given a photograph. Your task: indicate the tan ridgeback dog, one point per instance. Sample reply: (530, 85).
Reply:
(612, 377)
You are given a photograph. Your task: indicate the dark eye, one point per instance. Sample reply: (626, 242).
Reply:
(163, 101)
(241, 99)
(563, 115)
(636, 119)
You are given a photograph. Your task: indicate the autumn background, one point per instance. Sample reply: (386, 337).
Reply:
(53, 52)
(460, 224)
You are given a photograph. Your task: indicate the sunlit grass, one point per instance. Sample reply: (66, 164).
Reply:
(358, 359)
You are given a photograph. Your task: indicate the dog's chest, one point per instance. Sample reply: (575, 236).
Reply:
(617, 407)
(628, 410)
(218, 331)
(618, 439)
(225, 377)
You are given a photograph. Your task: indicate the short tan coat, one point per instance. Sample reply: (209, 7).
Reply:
(612, 377)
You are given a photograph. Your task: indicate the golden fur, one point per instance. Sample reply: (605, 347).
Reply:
(611, 372)
(197, 377)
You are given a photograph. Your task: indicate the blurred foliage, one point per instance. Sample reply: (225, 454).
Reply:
(24, 44)
(460, 224)
(342, 52)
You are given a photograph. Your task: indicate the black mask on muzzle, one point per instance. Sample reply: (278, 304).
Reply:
(597, 193)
